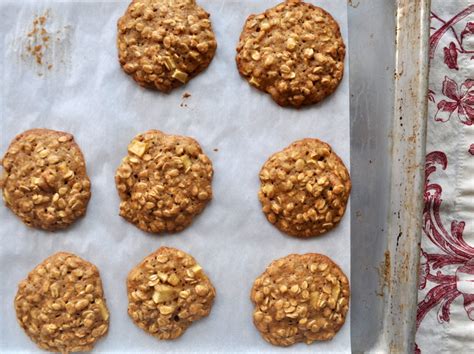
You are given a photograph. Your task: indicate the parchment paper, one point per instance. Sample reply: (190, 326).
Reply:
(86, 93)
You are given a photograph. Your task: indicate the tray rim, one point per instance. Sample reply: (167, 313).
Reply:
(408, 145)
(385, 267)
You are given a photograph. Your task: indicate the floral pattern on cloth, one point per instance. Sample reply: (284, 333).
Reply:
(446, 273)
(452, 251)
(461, 101)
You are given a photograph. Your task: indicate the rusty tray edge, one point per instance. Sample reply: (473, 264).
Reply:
(387, 220)
(409, 143)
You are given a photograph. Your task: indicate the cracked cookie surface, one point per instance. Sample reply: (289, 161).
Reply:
(61, 304)
(162, 44)
(300, 298)
(167, 292)
(45, 181)
(293, 51)
(163, 182)
(304, 188)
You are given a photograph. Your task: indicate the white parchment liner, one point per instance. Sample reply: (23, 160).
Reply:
(87, 94)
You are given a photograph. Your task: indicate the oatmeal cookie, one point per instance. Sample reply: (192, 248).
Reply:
(163, 182)
(61, 305)
(167, 292)
(300, 298)
(162, 44)
(304, 188)
(293, 51)
(45, 182)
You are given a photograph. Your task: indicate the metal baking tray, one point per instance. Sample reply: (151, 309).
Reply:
(388, 43)
(388, 81)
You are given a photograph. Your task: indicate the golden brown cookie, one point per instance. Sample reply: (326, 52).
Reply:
(293, 51)
(304, 188)
(167, 292)
(163, 182)
(61, 305)
(45, 181)
(300, 298)
(162, 44)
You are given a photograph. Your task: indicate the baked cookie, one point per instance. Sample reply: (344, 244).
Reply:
(162, 44)
(45, 181)
(300, 298)
(163, 182)
(293, 51)
(167, 292)
(304, 188)
(61, 305)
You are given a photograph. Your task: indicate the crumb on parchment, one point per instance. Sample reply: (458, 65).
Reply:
(38, 39)
(45, 43)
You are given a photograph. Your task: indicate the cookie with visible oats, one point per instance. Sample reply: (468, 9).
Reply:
(45, 181)
(61, 304)
(163, 182)
(304, 188)
(293, 51)
(162, 44)
(167, 292)
(300, 298)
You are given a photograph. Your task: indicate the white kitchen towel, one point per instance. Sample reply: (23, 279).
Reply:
(445, 315)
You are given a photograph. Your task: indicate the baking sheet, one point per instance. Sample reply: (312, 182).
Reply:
(86, 93)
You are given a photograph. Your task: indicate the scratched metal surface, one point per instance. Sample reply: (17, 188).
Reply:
(389, 71)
